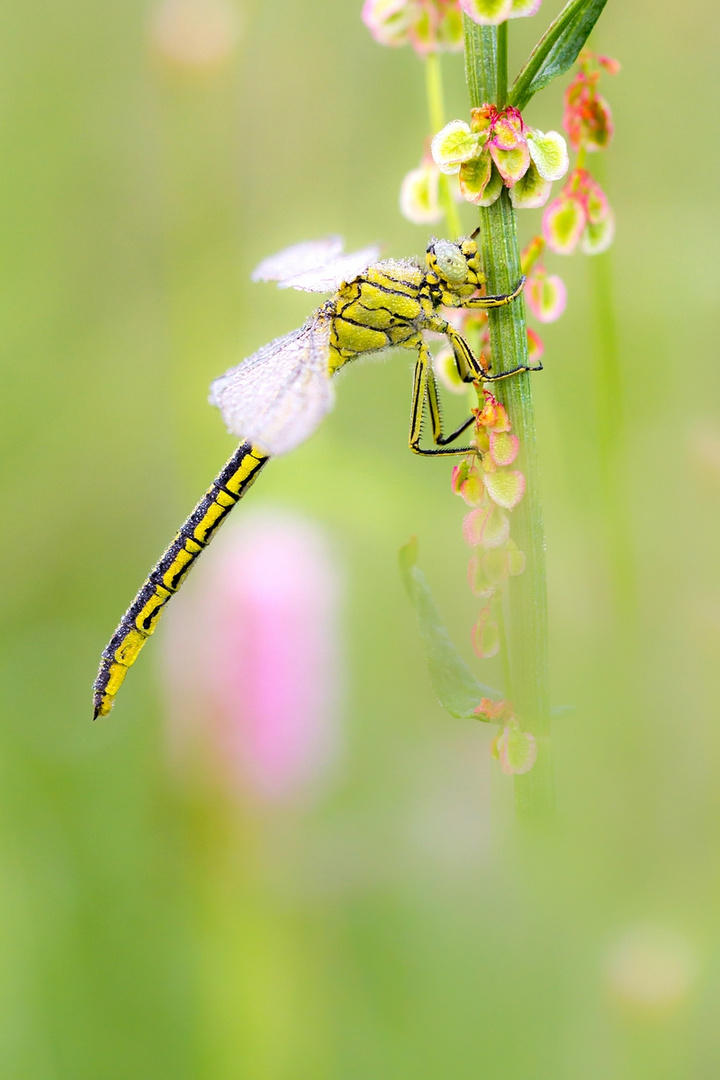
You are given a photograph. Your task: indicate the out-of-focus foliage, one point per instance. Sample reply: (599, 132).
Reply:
(386, 925)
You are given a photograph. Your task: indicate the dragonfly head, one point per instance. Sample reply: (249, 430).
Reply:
(455, 264)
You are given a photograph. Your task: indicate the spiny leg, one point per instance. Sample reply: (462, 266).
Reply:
(466, 359)
(166, 577)
(424, 387)
(484, 302)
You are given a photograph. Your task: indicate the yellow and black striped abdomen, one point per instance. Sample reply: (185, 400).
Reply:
(168, 574)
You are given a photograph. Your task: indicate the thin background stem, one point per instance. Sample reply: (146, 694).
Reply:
(436, 114)
(611, 430)
(486, 65)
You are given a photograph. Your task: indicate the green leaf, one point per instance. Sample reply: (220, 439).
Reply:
(457, 689)
(557, 49)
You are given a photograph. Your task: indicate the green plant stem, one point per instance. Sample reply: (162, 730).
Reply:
(528, 629)
(436, 114)
(502, 66)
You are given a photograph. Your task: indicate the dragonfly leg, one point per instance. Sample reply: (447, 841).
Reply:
(466, 360)
(494, 301)
(425, 389)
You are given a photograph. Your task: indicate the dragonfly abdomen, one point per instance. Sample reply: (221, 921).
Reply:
(168, 574)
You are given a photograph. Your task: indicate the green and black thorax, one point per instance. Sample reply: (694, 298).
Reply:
(393, 302)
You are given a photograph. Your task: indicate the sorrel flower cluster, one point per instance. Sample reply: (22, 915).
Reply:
(515, 749)
(436, 25)
(581, 215)
(492, 488)
(427, 25)
(420, 193)
(497, 148)
(488, 485)
(588, 118)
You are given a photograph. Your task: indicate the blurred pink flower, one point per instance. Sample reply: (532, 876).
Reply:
(581, 215)
(545, 295)
(195, 33)
(428, 25)
(252, 656)
(588, 117)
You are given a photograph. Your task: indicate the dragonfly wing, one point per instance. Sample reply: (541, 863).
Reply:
(298, 259)
(278, 396)
(333, 273)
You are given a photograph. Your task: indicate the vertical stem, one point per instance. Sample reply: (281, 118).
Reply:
(436, 114)
(486, 60)
(435, 95)
(502, 68)
(611, 434)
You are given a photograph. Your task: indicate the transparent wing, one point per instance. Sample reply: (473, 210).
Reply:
(298, 259)
(330, 276)
(278, 396)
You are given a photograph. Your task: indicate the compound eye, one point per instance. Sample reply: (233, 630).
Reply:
(451, 262)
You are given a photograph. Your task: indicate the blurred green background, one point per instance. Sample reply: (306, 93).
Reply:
(391, 924)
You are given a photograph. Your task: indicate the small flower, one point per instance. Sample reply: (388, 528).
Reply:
(427, 25)
(581, 214)
(467, 481)
(588, 117)
(493, 415)
(492, 12)
(419, 200)
(453, 145)
(503, 447)
(497, 148)
(535, 347)
(516, 750)
(488, 709)
(486, 527)
(486, 635)
(563, 223)
(389, 21)
(491, 488)
(545, 295)
(505, 487)
(531, 253)
(252, 658)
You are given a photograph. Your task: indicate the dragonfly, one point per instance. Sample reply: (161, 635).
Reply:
(275, 399)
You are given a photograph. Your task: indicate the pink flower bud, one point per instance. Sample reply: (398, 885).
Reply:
(516, 750)
(485, 635)
(419, 201)
(535, 346)
(251, 657)
(546, 295)
(428, 25)
(563, 223)
(611, 66)
(531, 253)
(503, 447)
(505, 487)
(489, 709)
(486, 527)
(389, 20)
(493, 415)
(587, 117)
